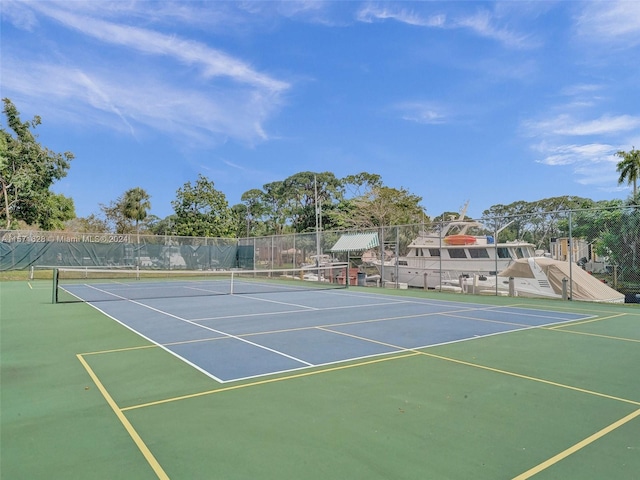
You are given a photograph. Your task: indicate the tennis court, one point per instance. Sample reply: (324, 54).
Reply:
(236, 337)
(299, 383)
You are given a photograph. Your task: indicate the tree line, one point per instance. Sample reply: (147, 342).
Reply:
(296, 204)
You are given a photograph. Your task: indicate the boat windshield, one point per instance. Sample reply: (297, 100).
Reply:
(524, 252)
(515, 252)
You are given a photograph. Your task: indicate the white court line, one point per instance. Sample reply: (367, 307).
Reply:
(305, 308)
(523, 314)
(229, 335)
(462, 307)
(453, 313)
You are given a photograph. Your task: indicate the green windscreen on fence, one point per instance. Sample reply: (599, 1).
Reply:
(186, 254)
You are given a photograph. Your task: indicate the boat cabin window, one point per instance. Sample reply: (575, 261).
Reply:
(434, 252)
(478, 253)
(402, 262)
(503, 252)
(457, 253)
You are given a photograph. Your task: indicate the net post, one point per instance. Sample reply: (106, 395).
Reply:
(231, 283)
(54, 293)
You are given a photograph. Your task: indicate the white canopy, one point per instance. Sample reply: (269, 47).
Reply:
(357, 242)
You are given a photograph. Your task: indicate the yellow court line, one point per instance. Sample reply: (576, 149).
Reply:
(118, 350)
(267, 332)
(265, 382)
(155, 345)
(454, 314)
(555, 308)
(497, 370)
(153, 463)
(632, 310)
(582, 322)
(624, 339)
(578, 446)
(310, 327)
(535, 379)
(412, 352)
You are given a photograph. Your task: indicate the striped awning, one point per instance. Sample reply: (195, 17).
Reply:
(356, 242)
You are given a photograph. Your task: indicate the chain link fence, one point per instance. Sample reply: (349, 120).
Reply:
(605, 243)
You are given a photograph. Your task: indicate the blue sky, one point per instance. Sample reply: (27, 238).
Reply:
(486, 102)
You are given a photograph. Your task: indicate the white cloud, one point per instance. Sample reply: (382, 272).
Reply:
(18, 15)
(371, 12)
(582, 127)
(581, 97)
(212, 62)
(483, 23)
(585, 146)
(581, 89)
(572, 154)
(135, 101)
(591, 164)
(610, 22)
(422, 112)
(567, 125)
(145, 84)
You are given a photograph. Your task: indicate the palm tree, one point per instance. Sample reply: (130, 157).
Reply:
(135, 206)
(629, 168)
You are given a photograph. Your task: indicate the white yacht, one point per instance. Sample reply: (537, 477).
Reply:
(440, 258)
(455, 259)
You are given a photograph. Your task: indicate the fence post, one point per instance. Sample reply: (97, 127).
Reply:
(570, 259)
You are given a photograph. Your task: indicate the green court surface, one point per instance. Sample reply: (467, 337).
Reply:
(84, 397)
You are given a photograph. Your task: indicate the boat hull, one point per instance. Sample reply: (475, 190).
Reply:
(429, 275)
(488, 283)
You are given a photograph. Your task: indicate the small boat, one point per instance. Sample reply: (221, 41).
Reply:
(460, 240)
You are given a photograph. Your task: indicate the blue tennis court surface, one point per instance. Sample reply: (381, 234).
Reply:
(235, 337)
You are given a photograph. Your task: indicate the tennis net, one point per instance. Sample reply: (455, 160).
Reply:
(96, 285)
